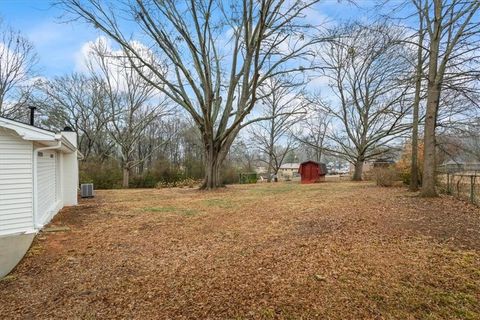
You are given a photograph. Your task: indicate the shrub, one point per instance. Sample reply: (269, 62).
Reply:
(165, 172)
(385, 177)
(403, 165)
(147, 180)
(229, 175)
(406, 177)
(104, 175)
(250, 177)
(186, 182)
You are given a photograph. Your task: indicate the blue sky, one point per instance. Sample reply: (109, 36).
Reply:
(59, 44)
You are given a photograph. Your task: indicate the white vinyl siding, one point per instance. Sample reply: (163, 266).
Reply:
(16, 184)
(46, 185)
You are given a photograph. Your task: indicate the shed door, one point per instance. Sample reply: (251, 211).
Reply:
(309, 171)
(46, 185)
(313, 172)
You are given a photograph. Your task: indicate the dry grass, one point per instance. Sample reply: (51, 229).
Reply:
(282, 251)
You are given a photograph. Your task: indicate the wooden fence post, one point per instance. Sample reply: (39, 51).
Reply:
(448, 183)
(452, 187)
(472, 189)
(458, 186)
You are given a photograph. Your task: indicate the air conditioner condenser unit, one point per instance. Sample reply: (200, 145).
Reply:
(86, 190)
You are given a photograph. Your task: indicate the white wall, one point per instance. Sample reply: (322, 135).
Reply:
(70, 172)
(55, 185)
(48, 200)
(70, 179)
(16, 184)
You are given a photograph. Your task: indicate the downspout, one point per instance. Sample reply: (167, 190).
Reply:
(35, 162)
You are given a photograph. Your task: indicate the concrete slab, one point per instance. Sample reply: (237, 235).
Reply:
(12, 250)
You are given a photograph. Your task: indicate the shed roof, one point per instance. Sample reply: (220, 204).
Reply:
(309, 161)
(290, 165)
(322, 166)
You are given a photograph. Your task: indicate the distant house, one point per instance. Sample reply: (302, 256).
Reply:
(382, 163)
(371, 164)
(38, 176)
(288, 171)
(459, 165)
(311, 171)
(261, 172)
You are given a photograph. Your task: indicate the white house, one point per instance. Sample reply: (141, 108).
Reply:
(38, 176)
(288, 171)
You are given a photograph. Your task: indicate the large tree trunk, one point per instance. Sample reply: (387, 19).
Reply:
(212, 174)
(433, 100)
(214, 157)
(269, 173)
(126, 176)
(215, 154)
(357, 174)
(270, 166)
(429, 162)
(414, 179)
(414, 165)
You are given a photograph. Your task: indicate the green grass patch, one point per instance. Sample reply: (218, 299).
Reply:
(8, 278)
(160, 209)
(274, 189)
(220, 203)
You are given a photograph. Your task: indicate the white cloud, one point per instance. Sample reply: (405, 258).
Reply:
(86, 50)
(316, 17)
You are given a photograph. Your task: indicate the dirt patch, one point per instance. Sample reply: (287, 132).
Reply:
(279, 251)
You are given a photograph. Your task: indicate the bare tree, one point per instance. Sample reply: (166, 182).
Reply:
(162, 138)
(471, 142)
(133, 104)
(416, 40)
(283, 105)
(17, 61)
(419, 76)
(366, 69)
(79, 102)
(448, 35)
(453, 29)
(243, 156)
(313, 133)
(219, 53)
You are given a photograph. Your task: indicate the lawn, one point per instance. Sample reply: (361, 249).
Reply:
(337, 250)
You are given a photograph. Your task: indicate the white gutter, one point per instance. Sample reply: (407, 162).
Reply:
(35, 200)
(66, 143)
(28, 132)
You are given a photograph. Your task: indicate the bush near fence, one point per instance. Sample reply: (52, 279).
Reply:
(385, 176)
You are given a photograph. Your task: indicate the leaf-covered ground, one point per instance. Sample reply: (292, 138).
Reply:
(267, 251)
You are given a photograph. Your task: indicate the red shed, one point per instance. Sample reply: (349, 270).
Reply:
(312, 171)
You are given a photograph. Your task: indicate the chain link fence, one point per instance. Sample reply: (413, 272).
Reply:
(461, 185)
